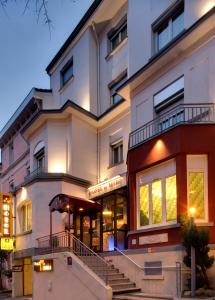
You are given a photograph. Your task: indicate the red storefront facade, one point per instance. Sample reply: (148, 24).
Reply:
(177, 144)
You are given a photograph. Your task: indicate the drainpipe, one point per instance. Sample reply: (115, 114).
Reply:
(98, 99)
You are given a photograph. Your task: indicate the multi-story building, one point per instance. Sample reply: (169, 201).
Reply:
(144, 67)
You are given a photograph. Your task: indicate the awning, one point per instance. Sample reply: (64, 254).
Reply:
(65, 203)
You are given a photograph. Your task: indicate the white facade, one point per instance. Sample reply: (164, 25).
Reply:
(79, 125)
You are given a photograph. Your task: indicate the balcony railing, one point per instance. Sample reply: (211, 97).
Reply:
(37, 172)
(181, 114)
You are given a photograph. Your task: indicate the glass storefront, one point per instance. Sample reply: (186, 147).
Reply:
(102, 231)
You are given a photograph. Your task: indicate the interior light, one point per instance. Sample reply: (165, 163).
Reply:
(192, 211)
(81, 209)
(107, 213)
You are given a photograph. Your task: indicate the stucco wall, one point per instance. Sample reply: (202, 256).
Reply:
(197, 67)
(141, 45)
(68, 282)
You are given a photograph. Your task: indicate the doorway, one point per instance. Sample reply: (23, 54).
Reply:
(27, 274)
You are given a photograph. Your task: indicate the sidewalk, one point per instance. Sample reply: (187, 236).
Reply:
(4, 295)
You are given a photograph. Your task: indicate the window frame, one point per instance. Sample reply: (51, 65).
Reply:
(203, 170)
(171, 99)
(26, 211)
(63, 71)
(117, 32)
(39, 157)
(114, 85)
(172, 12)
(116, 145)
(11, 153)
(163, 184)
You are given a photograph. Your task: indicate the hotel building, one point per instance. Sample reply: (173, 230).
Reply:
(122, 142)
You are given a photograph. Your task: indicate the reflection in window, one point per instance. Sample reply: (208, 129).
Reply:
(196, 193)
(169, 29)
(171, 199)
(144, 205)
(157, 202)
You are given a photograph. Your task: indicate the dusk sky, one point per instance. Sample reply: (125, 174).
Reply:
(26, 47)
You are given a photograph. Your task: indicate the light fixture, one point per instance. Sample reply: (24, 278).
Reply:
(192, 211)
(81, 209)
(107, 212)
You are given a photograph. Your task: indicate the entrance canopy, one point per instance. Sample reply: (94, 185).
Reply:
(65, 203)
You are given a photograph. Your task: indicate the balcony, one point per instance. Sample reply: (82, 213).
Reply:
(181, 114)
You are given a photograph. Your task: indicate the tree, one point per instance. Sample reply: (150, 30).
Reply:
(41, 9)
(199, 239)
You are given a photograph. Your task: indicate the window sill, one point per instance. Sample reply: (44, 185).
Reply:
(62, 89)
(153, 277)
(24, 233)
(204, 224)
(155, 228)
(109, 56)
(115, 165)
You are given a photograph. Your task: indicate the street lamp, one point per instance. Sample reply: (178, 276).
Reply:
(192, 211)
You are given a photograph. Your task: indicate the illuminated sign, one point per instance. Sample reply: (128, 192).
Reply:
(106, 186)
(6, 215)
(17, 268)
(43, 265)
(6, 244)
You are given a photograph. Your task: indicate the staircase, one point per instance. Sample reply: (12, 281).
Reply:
(111, 275)
(105, 270)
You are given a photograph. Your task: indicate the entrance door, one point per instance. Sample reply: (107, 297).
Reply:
(114, 215)
(27, 276)
(90, 231)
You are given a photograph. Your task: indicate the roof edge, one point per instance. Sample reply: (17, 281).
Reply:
(74, 33)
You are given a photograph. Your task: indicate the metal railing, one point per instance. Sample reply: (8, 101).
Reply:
(62, 241)
(181, 114)
(35, 173)
(138, 271)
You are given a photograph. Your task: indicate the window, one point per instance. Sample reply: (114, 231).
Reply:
(67, 72)
(11, 153)
(197, 185)
(39, 156)
(11, 187)
(117, 152)
(26, 213)
(157, 197)
(113, 86)
(116, 36)
(169, 25)
(169, 95)
(153, 268)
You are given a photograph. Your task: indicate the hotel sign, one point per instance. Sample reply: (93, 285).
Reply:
(6, 244)
(6, 215)
(153, 239)
(106, 186)
(43, 265)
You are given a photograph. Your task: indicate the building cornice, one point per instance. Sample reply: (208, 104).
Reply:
(50, 177)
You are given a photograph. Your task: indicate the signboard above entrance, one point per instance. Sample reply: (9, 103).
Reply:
(106, 186)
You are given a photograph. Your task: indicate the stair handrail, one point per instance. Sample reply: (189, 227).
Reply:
(141, 268)
(90, 253)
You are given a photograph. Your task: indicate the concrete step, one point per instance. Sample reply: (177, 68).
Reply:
(141, 296)
(115, 276)
(109, 271)
(126, 290)
(118, 280)
(121, 286)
